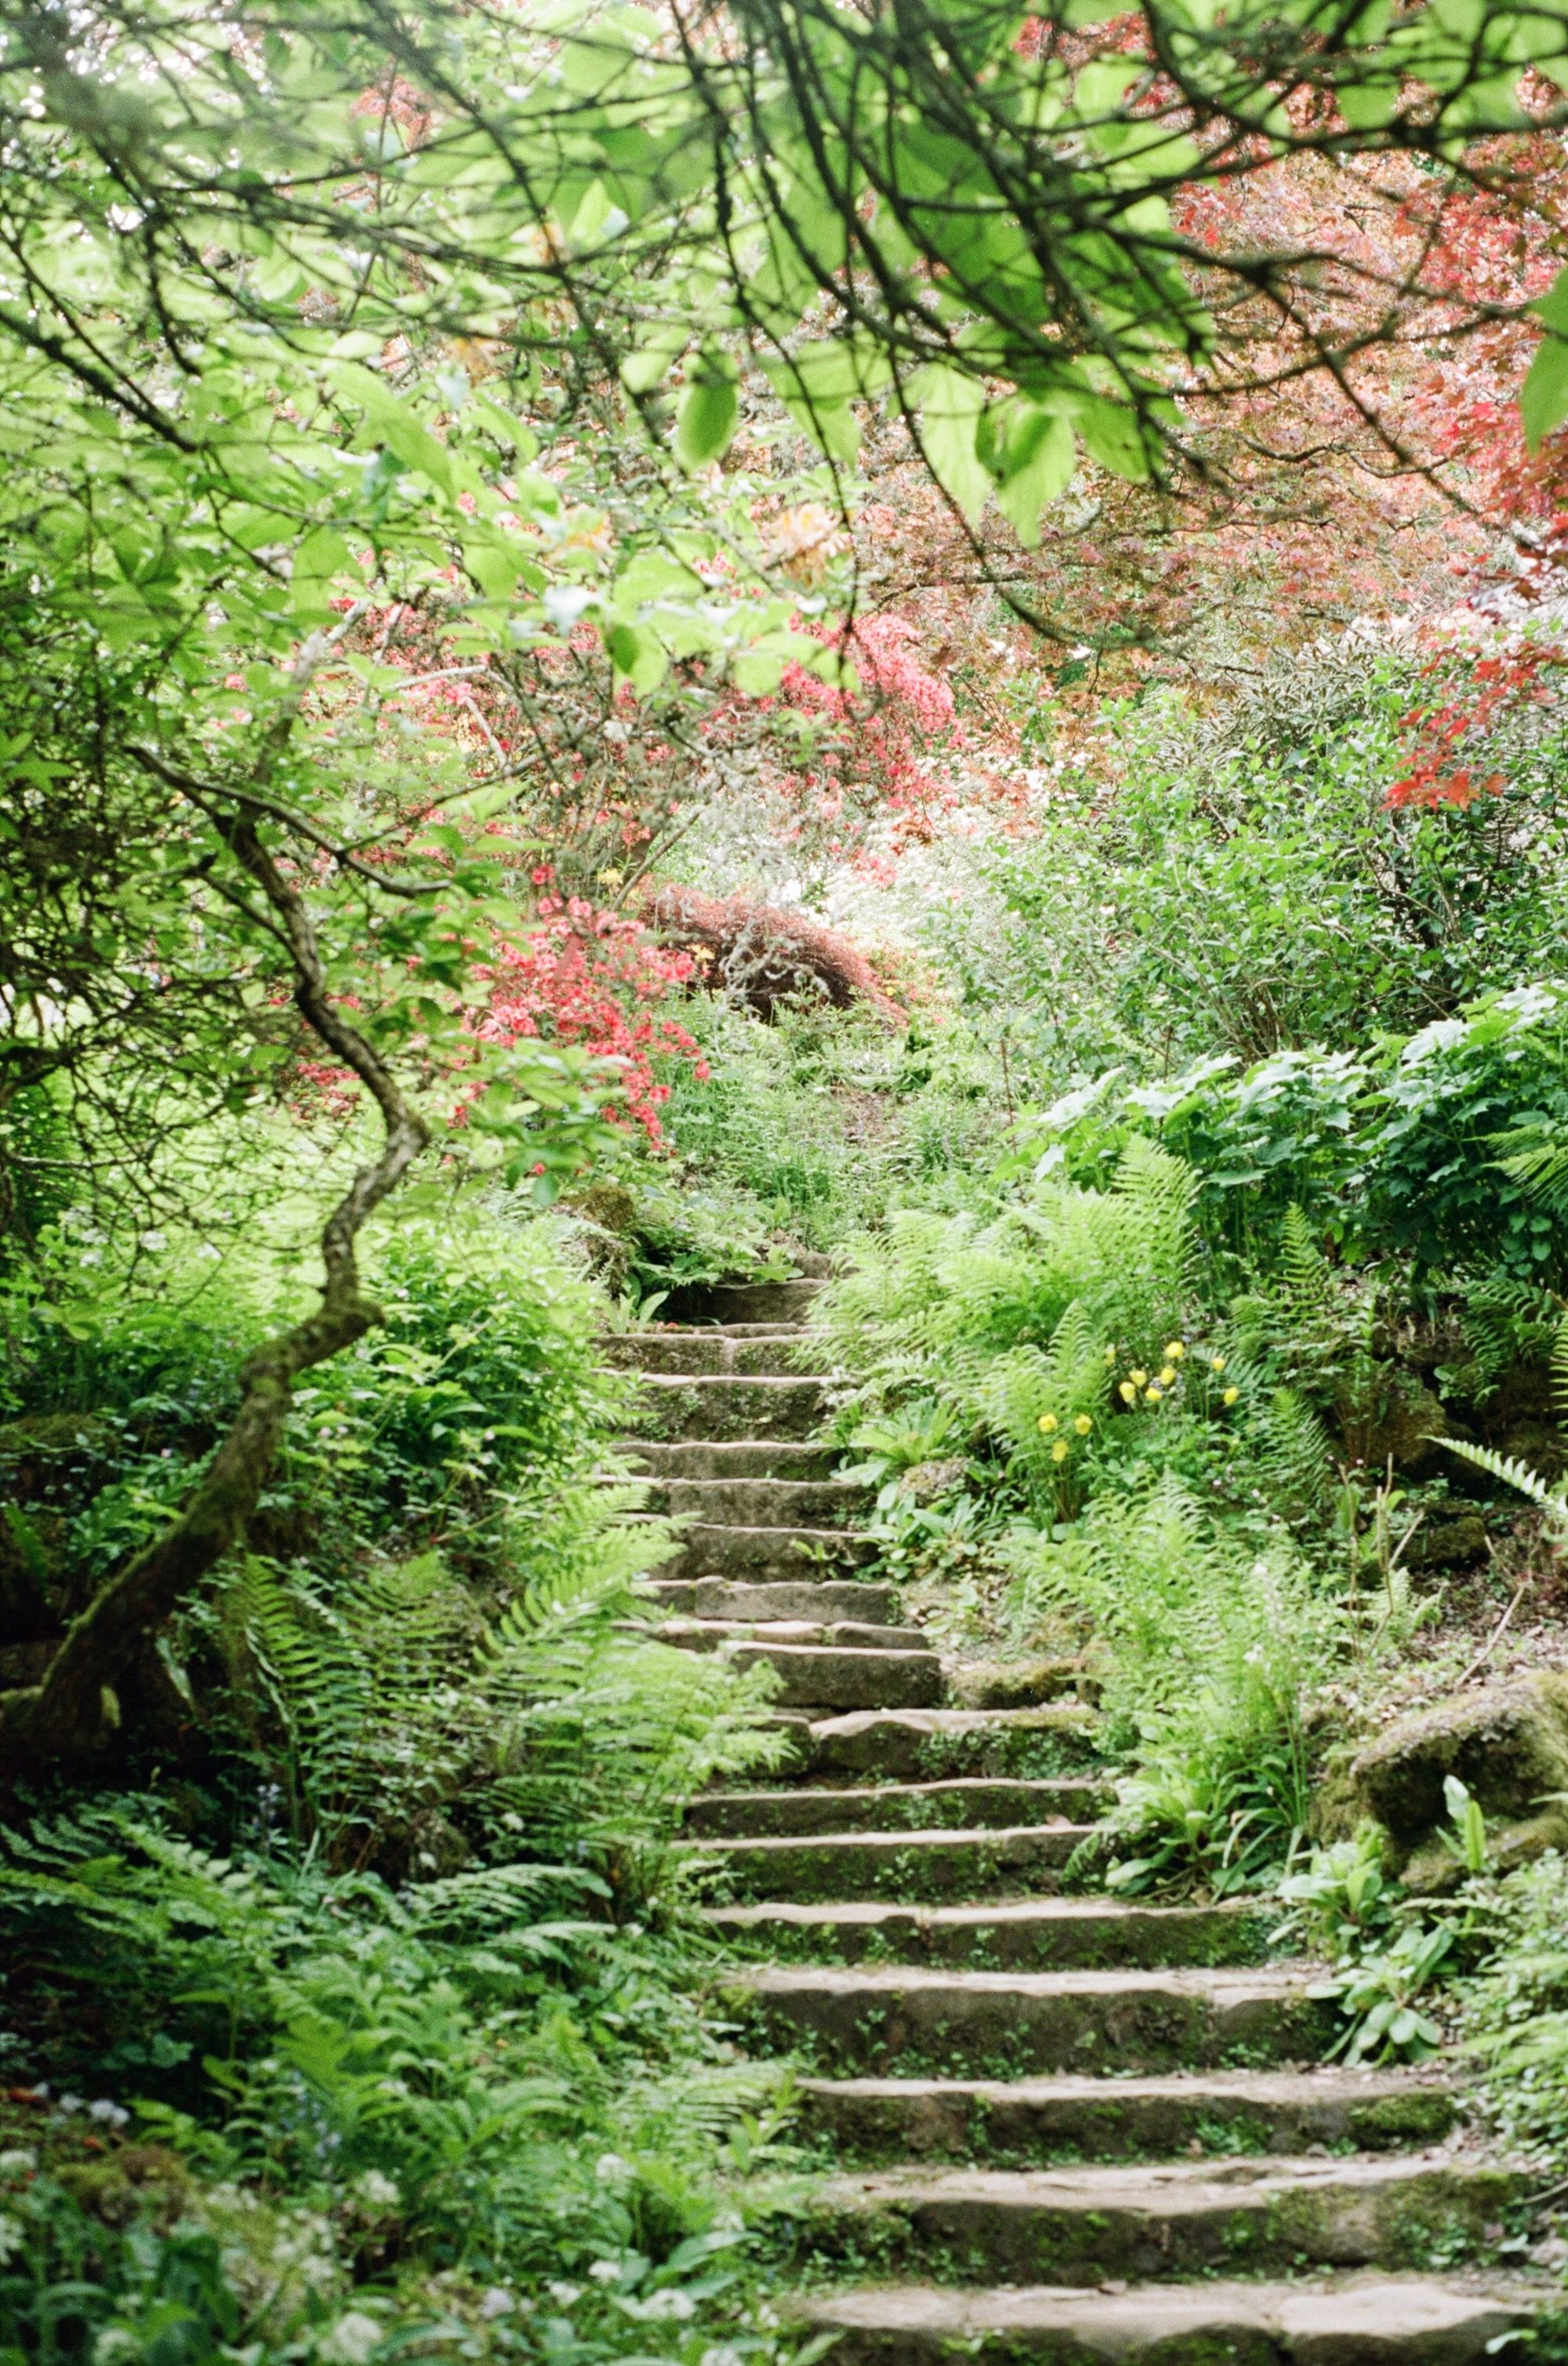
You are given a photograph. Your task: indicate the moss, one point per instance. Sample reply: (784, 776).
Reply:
(1508, 1745)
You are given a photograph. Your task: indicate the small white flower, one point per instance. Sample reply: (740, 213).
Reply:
(723, 2354)
(107, 2114)
(606, 2271)
(380, 2192)
(19, 2163)
(11, 2239)
(352, 2339)
(115, 2341)
(672, 2304)
(497, 2302)
(565, 2295)
(610, 2170)
(70, 2104)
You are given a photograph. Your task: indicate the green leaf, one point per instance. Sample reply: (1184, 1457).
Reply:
(951, 408)
(395, 424)
(1038, 466)
(637, 657)
(709, 409)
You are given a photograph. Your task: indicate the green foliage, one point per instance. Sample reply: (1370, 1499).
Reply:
(1461, 1093)
(1241, 890)
(1515, 2012)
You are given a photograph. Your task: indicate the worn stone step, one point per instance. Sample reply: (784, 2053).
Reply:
(748, 1351)
(713, 1407)
(913, 1745)
(1033, 1933)
(908, 1865)
(1031, 2122)
(757, 1502)
(816, 1676)
(1375, 2320)
(735, 1457)
(822, 1600)
(968, 1802)
(733, 1302)
(767, 1553)
(896, 2022)
(1082, 2225)
(838, 1635)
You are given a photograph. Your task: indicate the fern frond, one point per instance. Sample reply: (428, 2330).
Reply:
(1513, 1472)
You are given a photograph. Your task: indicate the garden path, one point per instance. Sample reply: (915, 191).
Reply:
(1062, 2128)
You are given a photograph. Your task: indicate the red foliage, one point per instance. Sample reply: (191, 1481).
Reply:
(1481, 690)
(764, 956)
(592, 978)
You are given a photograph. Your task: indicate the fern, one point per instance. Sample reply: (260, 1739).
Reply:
(1512, 1473)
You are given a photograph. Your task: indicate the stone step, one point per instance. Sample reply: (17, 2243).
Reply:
(757, 1502)
(735, 1457)
(1374, 2320)
(749, 1352)
(1033, 1933)
(838, 1635)
(926, 1744)
(968, 1802)
(892, 2022)
(733, 1302)
(813, 1676)
(712, 1407)
(824, 1600)
(767, 1553)
(1032, 2121)
(1083, 2226)
(908, 1865)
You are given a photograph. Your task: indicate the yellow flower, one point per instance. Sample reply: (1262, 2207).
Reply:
(1167, 1374)
(1152, 1394)
(1047, 1422)
(1059, 1451)
(1110, 1354)
(1126, 1393)
(1230, 1396)
(1083, 1425)
(1138, 1377)
(1174, 1351)
(1216, 1363)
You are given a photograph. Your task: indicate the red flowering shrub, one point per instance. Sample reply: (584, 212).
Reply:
(592, 979)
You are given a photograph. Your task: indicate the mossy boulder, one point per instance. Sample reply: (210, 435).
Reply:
(1507, 1743)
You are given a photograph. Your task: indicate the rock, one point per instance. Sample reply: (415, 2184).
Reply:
(1453, 1540)
(1025, 1683)
(1507, 1743)
(1408, 1424)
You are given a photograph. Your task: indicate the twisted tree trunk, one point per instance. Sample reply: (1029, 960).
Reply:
(70, 1717)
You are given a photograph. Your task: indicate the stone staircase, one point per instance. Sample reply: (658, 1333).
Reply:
(1061, 2128)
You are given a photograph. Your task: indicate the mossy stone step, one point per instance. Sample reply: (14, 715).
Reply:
(909, 2022)
(816, 1676)
(822, 1600)
(735, 1457)
(1030, 1935)
(714, 1407)
(748, 1351)
(1374, 2320)
(836, 1634)
(964, 1803)
(756, 1502)
(766, 1554)
(1033, 2122)
(907, 1866)
(1177, 2218)
(914, 1745)
(742, 1303)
